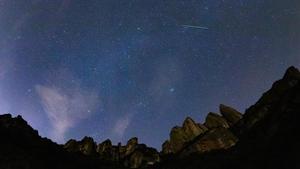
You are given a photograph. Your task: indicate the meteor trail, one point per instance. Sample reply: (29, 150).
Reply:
(193, 26)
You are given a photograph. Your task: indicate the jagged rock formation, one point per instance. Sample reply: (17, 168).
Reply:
(142, 156)
(268, 101)
(214, 120)
(267, 134)
(133, 154)
(215, 139)
(191, 129)
(199, 138)
(105, 148)
(181, 135)
(230, 114)
(131, 145)
(87, 146)
(166, 148)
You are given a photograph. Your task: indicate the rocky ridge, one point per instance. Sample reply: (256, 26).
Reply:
(264, 137)
(132, 155)
(21, 147)
(194, 137)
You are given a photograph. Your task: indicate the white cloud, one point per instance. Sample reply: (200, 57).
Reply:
(121, 125)
(65, 108)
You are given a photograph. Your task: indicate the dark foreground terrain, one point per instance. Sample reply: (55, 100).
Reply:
(266, 136)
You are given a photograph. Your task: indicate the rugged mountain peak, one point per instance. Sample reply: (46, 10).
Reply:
(194, 137)
(107, 142)
(215, 139)
(264, 126)
(191, 128)
(177, 138)
(230, 114)
(132, 155)
(271, 98)
(166, 147)
(87, 139)
(5, 117)
(214, 120)
(22, 147)
(7, 120)
(292, 72)
(202, 127)
(18, 124)
(86, 146)
(191, 136)
(188, 120)
(180, 136)
(141, 157)
(132, 141)
(131, 145)
(105, 149)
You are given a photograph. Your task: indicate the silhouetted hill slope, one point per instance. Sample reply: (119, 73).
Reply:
(266, 136)
(22, 148)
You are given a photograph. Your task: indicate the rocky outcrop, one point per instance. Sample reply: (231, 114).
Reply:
(214, 120)
(202, 127)
(132, 155)
(142, 156)
(138, 155)
(179, 136)
(268, 101)
(87, 146)
(131, 145)
(195, 137)
(215, 139)
(106, 151)
(230, 114)
(264, 138)
(192, 129)
(18, 124)
(177, 139)
(166, 147)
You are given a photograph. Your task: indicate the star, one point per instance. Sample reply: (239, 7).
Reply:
(29, 90)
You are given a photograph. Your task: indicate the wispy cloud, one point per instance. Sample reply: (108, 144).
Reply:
(6, 64)
(121, 125)
(65, 108)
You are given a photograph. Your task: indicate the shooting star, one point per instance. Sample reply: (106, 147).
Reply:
(193, 26)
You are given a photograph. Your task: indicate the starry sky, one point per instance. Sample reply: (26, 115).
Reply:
(122, 68)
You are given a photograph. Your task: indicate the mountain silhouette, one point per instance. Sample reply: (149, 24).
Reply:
(265, 136)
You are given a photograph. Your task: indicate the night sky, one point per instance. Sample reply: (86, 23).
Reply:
(123, 68)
